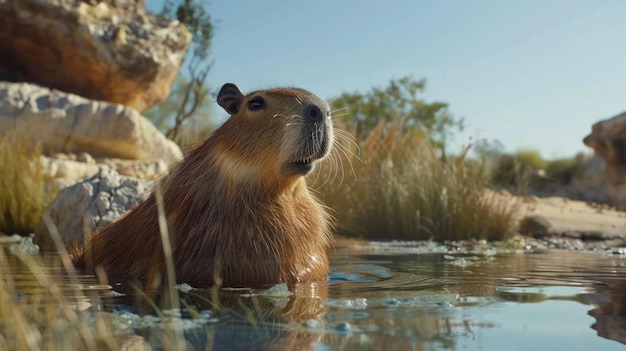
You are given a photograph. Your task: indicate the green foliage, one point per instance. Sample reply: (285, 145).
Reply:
(531, 159)
(517, 172)
(526, 171)
(403, 190)
(564, 170)
(398, 102)
(22, 195)
(198, 22)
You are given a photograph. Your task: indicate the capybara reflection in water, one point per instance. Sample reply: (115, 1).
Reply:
(237, 207)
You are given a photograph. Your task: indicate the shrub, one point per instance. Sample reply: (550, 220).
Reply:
(401, 189)
(525, 171)
(519, 172)
(566, 169)
(531, 159)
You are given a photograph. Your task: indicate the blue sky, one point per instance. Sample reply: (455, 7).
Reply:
(532, 74)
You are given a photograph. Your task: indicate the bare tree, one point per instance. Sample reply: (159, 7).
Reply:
(194, 15)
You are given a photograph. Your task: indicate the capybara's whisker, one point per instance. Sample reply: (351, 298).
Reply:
(339, 115)
(337, 110)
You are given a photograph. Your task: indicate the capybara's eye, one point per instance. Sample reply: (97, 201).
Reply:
(256, 103)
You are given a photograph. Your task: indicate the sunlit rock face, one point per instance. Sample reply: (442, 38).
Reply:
(111, 50)
(67, 123)
(608, 140)
(79, 137)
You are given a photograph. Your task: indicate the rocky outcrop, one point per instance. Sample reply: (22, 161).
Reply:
(110, 50)
(81, 208)
(608, 140)
(68, 166)
(67, 123)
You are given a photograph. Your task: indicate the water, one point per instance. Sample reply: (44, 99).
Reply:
(398, 297)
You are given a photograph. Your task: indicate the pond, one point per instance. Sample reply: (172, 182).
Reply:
(395, 296)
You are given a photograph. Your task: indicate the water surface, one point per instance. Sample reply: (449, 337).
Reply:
(396, 297)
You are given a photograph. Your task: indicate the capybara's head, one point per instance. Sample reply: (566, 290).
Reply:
(279, 133)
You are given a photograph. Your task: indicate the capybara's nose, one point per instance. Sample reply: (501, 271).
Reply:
(312, 113)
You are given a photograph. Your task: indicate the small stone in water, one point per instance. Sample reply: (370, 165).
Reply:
(277, 290)
(313, 324)
(26, 246)
(342, 328)
(392, 302)
(185, 288)
(358, 303)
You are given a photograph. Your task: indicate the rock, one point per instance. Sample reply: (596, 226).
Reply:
(67, 169)
(68, 123)
(111, 50)
(535, 226)
(608, 140)
(146, 170)
(54, 168)
(52, 187)
(85, 206)
(609, 309)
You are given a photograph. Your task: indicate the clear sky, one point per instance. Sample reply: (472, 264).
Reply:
(532, 74)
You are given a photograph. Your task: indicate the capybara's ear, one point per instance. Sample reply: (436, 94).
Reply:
(230, 98)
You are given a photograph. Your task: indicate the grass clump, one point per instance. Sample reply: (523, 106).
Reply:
(22, 195)
(402, 190)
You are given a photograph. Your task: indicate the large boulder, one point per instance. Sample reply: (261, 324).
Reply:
(67, 123)
(608, 140)
(80, 209)
(110, 50)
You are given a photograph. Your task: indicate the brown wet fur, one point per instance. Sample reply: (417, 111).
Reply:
(236, 213)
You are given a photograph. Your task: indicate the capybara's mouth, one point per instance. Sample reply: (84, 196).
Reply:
(304, 164)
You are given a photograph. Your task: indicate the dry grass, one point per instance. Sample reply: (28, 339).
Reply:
(22, 195)
(37, 312)
(398, 188)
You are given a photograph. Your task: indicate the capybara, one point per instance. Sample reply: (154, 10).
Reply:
(237, 207)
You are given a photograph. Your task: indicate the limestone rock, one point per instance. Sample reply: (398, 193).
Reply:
(111, 50)
(54, 168)
(90, 204)
(68, 123)
(67, 169)
(146, 170)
